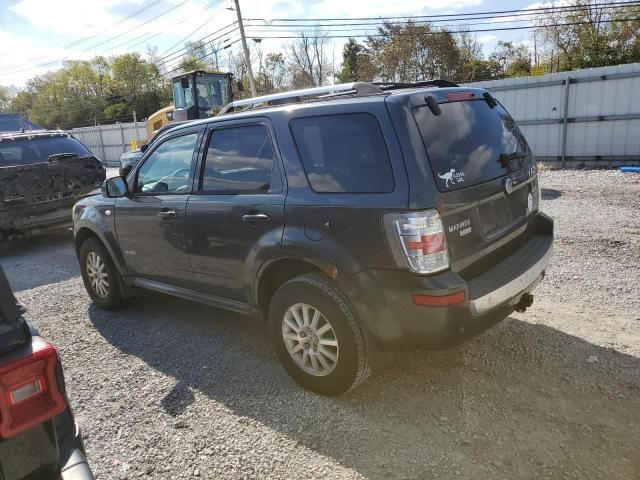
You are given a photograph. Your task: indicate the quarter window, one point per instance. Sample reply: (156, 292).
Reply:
(167, 168)
(344, 153)
(239, 159)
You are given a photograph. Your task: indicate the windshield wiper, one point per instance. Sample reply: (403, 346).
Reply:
(60, 156)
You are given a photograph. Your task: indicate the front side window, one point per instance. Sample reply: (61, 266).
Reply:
(239, 160)
(167, 168)
(344, 153)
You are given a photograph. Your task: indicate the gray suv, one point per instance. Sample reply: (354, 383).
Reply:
(353, 219)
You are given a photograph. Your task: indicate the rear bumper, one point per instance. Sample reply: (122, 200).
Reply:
(383, 298)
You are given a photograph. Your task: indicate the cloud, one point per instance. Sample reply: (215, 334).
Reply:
(488, 38)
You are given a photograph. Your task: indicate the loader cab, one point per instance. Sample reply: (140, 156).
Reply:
(200, 94)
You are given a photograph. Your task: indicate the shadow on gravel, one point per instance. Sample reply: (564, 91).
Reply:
(550, 194)
(520, 401)
(40, 260)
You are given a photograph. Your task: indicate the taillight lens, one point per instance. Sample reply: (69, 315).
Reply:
(418, 240)
(29, 391)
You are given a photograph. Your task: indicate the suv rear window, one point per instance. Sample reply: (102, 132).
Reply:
(471, 143)
(25, 151)
(344, 153)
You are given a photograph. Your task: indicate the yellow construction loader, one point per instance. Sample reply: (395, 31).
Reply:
(196, 94)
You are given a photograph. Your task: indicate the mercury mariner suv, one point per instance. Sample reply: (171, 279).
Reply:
(354, 219)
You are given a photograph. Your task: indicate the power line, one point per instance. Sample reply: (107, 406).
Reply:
(540, 9)
(173, 55)
(191, 34)
(440, 32)
(84, 39)
(160, 31)
(376, 22)
(108, 40)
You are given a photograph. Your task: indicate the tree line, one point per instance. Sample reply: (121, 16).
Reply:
(107, 90)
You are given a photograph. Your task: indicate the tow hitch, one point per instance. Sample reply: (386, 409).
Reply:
(525, 302)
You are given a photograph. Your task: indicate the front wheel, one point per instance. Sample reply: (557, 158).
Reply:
(100, 276)
(317, 337)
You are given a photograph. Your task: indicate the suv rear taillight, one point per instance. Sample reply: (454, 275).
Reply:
(29, 390)
(418, 241)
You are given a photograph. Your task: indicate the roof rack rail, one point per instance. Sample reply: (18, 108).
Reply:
(427, 83)
(295, 96)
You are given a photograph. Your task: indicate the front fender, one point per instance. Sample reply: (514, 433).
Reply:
(97, 217)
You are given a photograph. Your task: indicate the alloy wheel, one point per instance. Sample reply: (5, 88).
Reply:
(97, 274)
(310, 339)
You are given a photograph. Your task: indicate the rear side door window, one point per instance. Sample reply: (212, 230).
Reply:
(343, 153)
(167, 169)
(239, 159)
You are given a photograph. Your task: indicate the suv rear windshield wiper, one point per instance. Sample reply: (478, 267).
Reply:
(60, 156)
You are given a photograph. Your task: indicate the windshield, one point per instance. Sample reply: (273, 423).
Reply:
(212, 90)
(25, 151)
(471, 143)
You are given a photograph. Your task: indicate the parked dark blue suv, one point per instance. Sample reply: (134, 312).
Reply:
(352, 218)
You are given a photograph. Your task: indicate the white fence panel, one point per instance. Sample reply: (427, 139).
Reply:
(599, 127)
(108, 142)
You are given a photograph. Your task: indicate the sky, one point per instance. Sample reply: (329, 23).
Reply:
(35, 35)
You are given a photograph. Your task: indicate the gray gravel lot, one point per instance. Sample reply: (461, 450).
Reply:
(168, 389)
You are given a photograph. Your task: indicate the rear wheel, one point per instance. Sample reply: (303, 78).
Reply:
(100, 276)
(316, 335)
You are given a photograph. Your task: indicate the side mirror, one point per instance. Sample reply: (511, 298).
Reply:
(114, 187)
(240, 86)
(184, 82)
(144, 148)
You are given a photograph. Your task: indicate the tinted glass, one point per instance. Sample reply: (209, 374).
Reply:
(239, 159)
(471, 143)
(167, 168)
(344, 153)
(25, 151)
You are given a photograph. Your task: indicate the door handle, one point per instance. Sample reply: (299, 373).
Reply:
(256, 218)
(167, 214)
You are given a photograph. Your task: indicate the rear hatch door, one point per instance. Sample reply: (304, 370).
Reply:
(483, 169)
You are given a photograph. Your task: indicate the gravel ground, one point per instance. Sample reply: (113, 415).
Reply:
(168, 389)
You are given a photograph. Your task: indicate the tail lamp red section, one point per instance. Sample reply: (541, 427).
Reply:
(29, 390)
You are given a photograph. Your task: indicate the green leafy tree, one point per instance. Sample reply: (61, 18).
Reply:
(4, 99)
(356, 63)
(409, 52)
(591, 34)
(514, 60)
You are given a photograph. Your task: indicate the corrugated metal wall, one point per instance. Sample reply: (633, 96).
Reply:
(108, 142)
(602, 126)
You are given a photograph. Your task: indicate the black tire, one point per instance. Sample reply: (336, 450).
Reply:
(352, 365)
(113, 297)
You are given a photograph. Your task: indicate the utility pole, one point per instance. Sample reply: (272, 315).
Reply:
(247, 58)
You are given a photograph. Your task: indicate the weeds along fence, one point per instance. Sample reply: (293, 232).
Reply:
(585, 117)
